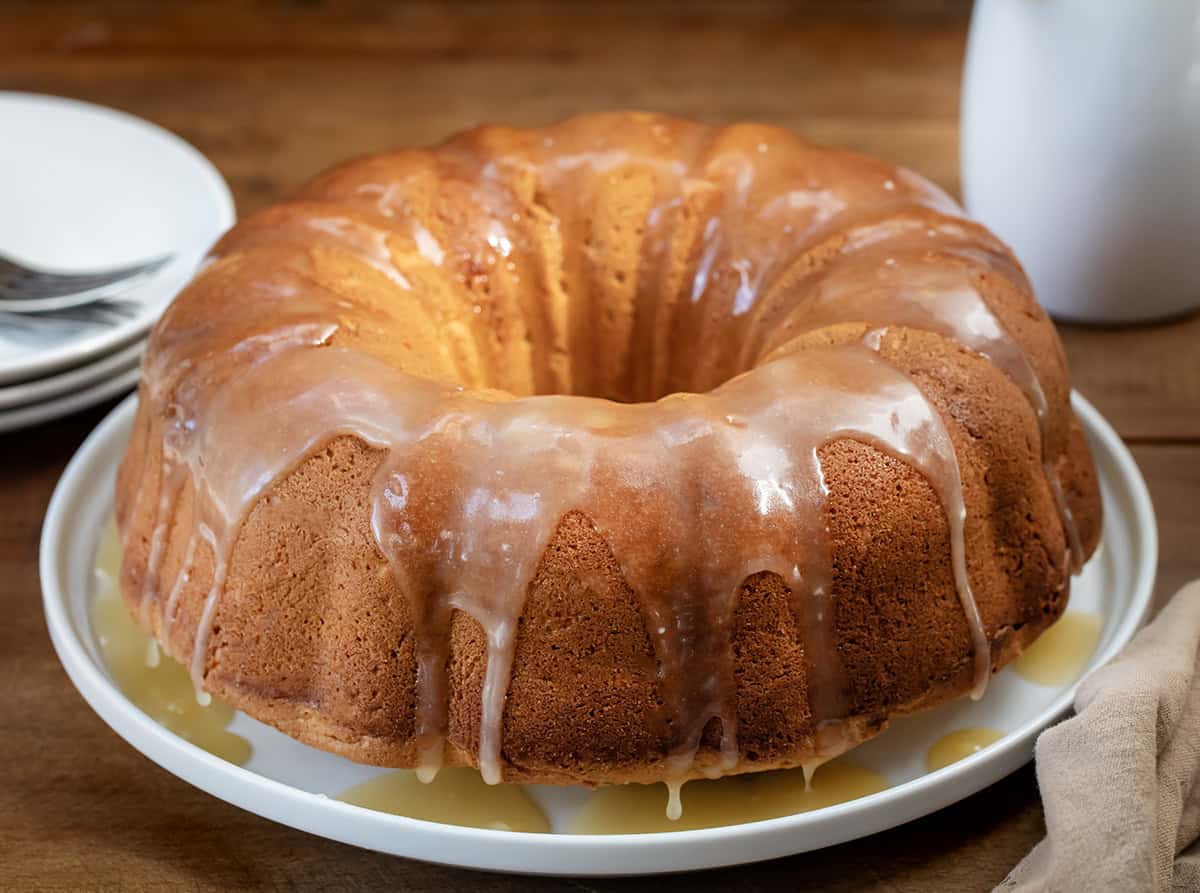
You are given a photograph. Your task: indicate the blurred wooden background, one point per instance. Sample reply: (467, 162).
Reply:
(272, 93)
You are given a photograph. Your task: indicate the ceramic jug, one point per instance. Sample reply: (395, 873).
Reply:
(1081, 149)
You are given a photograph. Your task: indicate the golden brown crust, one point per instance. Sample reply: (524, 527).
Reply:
(313, 635)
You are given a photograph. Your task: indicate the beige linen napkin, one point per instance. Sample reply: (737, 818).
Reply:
(1119, 779)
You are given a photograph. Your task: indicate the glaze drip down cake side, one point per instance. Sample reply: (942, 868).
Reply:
(626, 449)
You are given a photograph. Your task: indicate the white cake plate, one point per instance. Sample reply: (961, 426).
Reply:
(290, 783)
(86, 187)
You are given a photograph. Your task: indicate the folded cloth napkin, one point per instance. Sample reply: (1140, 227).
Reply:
(1120, 780)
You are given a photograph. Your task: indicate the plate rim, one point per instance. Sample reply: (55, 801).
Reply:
(560, 854)
(27, 416)
(25, 394)
(107, 340)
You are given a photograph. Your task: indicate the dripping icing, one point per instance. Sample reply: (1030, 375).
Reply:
(729, 271)
(638, 809)
(895, 278)
(519, 465)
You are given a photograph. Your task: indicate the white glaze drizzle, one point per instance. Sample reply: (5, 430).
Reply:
(518, 465)
(898, 278)
(473, 489)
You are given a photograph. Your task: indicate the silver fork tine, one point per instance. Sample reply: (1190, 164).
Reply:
(9, 267)
(27, 290)
(101, 313)
(120, 271)
(14, 276)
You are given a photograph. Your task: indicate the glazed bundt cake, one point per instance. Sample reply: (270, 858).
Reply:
(627, 449)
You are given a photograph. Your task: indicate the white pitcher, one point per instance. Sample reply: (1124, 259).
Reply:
(1081, 149)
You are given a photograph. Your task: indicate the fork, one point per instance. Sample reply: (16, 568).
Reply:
(24, 289)
(100, 314)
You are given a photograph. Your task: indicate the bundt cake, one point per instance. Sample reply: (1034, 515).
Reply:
(627, 449)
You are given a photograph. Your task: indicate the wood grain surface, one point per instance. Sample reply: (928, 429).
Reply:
(274, 92)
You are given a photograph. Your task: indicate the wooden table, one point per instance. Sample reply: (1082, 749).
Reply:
(273, 94)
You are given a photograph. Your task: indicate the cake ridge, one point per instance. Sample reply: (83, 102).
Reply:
(767, 424)
(348, 347)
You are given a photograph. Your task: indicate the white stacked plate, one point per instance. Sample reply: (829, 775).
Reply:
(298, 785)
(85, 188)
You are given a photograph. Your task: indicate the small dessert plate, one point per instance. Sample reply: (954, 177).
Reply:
(90, 188)
(34, 393)
(121, 382)
(296, 785)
